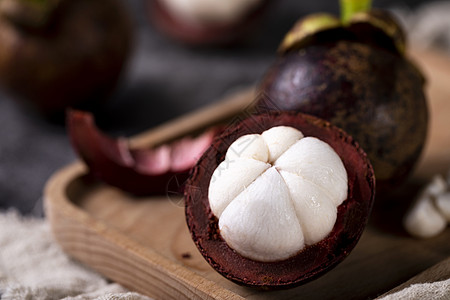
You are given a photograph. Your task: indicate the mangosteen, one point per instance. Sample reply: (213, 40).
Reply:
(56, 54)
(354, 73)
(206, 22)
(141, 171)
(279, 199)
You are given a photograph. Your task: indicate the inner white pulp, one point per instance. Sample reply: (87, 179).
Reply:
(211, 11)
(276, 192)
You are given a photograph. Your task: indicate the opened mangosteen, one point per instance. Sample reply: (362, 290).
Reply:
(206, 22)
(56, 54)
(354, 73)
(279, 199)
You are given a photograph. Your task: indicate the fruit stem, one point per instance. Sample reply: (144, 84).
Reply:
(351, 7)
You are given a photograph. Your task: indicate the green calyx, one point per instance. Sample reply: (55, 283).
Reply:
(356, 17)
(28, 13)
(307, 27)
(384, 22)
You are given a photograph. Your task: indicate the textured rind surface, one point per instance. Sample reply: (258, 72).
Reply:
(312, 261)
(374, 95)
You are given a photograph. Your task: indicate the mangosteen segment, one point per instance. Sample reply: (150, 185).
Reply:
(269, 211)
(255, 241)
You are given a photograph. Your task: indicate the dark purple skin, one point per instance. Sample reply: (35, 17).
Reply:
(74, 59)
(311, 262)
(365, 32)
(374, 94)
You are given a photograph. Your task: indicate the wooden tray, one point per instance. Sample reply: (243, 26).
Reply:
(144, 243)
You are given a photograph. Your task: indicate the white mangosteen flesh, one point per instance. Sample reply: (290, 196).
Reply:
(276, 193)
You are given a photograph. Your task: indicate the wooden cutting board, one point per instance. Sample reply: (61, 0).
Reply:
(144, 244)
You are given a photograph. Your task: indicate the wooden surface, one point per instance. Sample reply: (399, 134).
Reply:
(144, 243)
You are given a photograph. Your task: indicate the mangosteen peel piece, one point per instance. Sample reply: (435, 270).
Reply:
(279, 199)
(141, 171)
(355, 74)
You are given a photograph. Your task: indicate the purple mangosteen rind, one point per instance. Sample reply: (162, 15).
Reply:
(371, 93)
(354, 73)
(62, 53)
(312, 261)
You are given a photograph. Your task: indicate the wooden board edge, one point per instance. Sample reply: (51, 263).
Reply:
(94, 244)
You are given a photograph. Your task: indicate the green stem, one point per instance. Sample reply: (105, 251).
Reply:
(351, 7)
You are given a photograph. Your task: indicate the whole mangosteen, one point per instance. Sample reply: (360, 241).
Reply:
(60, 53)
(354, 73)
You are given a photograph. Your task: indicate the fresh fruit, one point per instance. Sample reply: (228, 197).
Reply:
(56, 54)
(430, 213)
(206, 22)
(354, 73)
(279, 199)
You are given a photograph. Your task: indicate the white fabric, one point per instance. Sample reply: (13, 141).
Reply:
(439, 290)
(33, 266)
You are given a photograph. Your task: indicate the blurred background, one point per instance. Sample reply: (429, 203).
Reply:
(162, 79)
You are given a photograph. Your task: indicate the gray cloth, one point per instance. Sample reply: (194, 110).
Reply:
(33, 266)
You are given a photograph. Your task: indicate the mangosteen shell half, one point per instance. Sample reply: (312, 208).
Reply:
(311, 262)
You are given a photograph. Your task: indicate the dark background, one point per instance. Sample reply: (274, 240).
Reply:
(163, 79)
